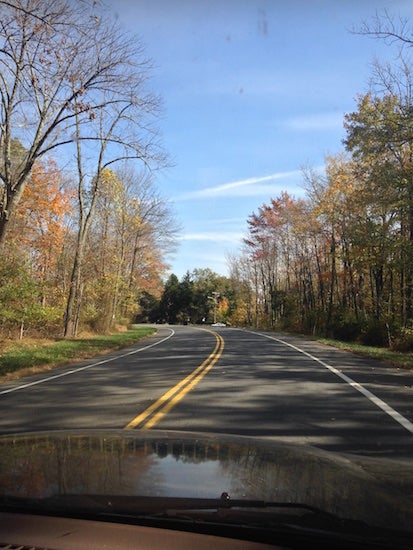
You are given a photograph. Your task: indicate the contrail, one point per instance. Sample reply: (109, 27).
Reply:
(233, 185)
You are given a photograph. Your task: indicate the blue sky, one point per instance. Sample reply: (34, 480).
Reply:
(253, 91)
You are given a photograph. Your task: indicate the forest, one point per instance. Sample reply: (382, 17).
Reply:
(83, 229)
(85, 236)
(339, 262)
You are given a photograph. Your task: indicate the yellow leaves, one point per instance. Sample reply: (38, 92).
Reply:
(340, 191)
(114, 199)
(223, 306)
(240, 315)
(110, 185)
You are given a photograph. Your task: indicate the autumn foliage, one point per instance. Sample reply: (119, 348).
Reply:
(338, 262)
(123, 257)
(77, 244)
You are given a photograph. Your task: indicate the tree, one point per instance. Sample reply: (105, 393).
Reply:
(341, 261)
(21, 301)
(70, 78)
(38, 234)
(119, 129)
(387, 126)
(273, 250)
(125, 247)
(390, 29)
(149, 308)
(244, 292)
(152, 229)
(209, 289)
(41, 82)
(185, 299)
(169, 306)
(201, 296)
(380, 137)
(41, 222)
(62, 64)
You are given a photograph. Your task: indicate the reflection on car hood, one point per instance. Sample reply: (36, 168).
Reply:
(177, 464)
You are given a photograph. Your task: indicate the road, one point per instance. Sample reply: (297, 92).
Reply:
(225, 380)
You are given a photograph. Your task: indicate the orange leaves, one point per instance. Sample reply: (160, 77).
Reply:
(223, 306)
(43, 213)
(275, 224)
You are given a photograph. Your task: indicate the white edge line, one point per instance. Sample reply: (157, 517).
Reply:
(402, 420)
(73, 371)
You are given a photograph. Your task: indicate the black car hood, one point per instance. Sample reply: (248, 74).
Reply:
(179, 464)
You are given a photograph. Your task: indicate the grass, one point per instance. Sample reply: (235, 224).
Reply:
(394, 358)
(32, 356)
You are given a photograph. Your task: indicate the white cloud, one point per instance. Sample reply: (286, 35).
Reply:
(316, 121)
(225, 221)
(213, 236)
(241, 188)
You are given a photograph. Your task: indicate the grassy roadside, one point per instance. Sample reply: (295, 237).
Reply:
(398, 359)
(22, 358)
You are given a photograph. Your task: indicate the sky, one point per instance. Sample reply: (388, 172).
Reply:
(253, 91)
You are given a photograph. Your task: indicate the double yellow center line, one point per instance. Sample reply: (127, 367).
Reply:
(155, 412)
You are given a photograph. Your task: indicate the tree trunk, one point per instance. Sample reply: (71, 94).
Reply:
(332, 282)
(3, 229)
(409, 270)
(73, 305)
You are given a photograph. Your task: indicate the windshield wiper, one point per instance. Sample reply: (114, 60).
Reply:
(148, 504)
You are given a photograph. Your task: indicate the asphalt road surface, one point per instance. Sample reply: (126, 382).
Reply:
(225, 380)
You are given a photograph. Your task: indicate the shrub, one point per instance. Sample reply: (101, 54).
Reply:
(343, 326)
(347, 329)
(375, 332)
(403, 341)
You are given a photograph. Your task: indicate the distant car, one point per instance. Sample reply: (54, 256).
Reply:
(218, 325)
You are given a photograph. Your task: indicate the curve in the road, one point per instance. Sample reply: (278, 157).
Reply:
(155, 412)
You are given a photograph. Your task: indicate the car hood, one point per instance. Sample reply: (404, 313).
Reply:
(176, 464)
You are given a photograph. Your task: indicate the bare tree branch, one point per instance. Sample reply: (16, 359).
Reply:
(387, 27)
(64, 64)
